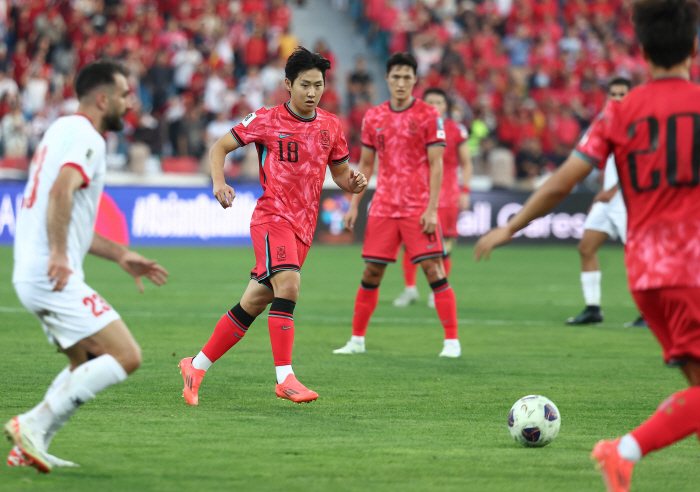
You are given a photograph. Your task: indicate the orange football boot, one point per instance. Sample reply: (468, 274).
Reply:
(193, 378)
(292, 389)
(616, 471)
(28, 443)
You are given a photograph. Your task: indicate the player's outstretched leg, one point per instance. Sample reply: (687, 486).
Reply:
(410, 293)
(365, 303)
(229, 330)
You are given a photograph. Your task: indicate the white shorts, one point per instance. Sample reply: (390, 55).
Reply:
(70, 315)
(610, 218)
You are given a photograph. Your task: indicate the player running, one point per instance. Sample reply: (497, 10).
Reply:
(55, 230)
(295, 142)
(655, 136)
(408, 136)
(453, 197)
(607, 218)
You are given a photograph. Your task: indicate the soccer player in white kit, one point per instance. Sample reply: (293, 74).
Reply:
(55, 230)
(607, 218)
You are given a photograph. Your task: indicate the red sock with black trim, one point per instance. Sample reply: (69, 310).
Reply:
(446, 307)
(280, 322)
(409, 271)
(365, 304)
(447, 261)
(228, 332)
(675, 419)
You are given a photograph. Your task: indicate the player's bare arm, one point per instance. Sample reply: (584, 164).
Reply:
(366, 168)
(58, 215)
(347, 179)
(217, 157)
(542, 201)
(429, 219)
(467, 169)
(133, 263)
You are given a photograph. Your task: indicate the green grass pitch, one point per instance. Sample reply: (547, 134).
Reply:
(397, 418)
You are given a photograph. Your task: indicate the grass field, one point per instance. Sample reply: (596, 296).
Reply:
(397, 418)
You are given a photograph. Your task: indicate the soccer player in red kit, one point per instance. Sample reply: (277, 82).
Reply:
(295, 142)
(408, 137)
(655, 136)
(453, 197)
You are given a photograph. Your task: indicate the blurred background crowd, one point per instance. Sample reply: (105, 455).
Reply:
(525, 76)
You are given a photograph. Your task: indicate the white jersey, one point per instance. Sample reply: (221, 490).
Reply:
(610, 178)
(69, 141)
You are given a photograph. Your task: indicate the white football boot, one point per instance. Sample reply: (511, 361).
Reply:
(352, 347)
(408, 296)
(451, 348)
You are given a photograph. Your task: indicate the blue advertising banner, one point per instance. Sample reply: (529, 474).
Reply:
(150, 216)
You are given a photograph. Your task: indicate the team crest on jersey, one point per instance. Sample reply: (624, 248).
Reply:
(412, 126)
(246, 121)
(281, 254)
(325, 138)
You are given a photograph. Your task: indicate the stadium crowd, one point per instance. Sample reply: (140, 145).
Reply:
(526, 76)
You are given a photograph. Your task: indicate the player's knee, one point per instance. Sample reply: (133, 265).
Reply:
(131, 358)
(586, 250)
(373, 273)
(433, 270)
(692, 373)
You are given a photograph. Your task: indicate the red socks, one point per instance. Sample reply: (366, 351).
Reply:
(446, 307)
(365, 304)
(228, 331)
(409, 271)
(280, 321)
(676, 418)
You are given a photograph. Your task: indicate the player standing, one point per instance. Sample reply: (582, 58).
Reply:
(453, 197)
(408, 136)
(606, 218)
(55, 230)
(295, 141)
(655, 136)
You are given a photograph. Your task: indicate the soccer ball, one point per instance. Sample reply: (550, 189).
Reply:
(534, 421)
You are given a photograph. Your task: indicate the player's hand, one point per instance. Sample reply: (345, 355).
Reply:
(492, 239)
(350, 219)
(357, 182)
(137, 266)
(58, 271)
(464, 202)
(429, 221)
(225, 194)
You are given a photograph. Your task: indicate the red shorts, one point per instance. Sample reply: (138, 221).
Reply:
(448, 221)
(673, 314)
(277, 248)
(384, 236)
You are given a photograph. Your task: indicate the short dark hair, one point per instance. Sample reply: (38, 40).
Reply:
(401, 59)
(438, 91)
(97, 73)
(620, 81)
(302, 60)
(666, 29)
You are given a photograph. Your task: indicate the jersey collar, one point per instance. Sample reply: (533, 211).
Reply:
(404, 109)
(296, 116)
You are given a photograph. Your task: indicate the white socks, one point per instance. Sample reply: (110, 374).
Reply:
(629, 448)
(282, 373)
(355, 339)
(590, 282)
(201, 361)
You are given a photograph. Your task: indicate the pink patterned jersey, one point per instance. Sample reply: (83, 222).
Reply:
(293, 153)
(655, 136)
(401, 140)
(455, 135)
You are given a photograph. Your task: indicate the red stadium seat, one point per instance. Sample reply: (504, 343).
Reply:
(186, 165)
(19, 163)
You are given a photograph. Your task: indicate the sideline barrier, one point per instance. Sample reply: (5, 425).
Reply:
(175, 216)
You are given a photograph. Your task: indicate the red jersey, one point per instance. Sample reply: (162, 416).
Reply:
(655, 136)
(401, 139)
(455, 135)
(293, 153)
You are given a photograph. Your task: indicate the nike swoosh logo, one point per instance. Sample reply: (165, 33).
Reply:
(286, 327)
(285, 136)
(380, 129)
(431, 246)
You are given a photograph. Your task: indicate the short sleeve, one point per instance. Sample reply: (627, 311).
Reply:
(434, 130)
(251, 129)
(83, 155)
(368, 134)
(339, 153)
(595, 146)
